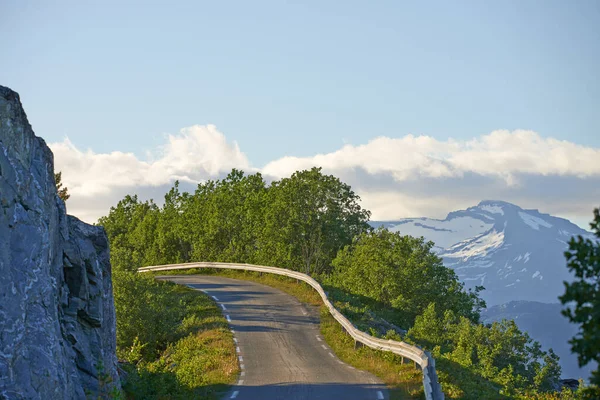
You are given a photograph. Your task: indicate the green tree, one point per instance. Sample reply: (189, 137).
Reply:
(63, 192)
(310, 216)
(402, 272)
(131, 228)
(583, 259)
(172, 241)
(225, 218)
(499, 352)
(147, 317)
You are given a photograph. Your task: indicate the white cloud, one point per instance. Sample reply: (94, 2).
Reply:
(98, 181)
(396, 177)
(196, 154)
(500, 154)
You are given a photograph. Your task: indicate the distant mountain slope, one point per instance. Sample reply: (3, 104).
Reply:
(545, 324)
(515, 254)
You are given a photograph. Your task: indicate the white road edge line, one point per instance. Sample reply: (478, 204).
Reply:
(234, 394)
(331, 355)
(323, 346)
(234, 340)
(241, 366)
(238, 349)
(318, 338)
(223, 307)
(241, 358)
(228, 319)
(243, 373)
(215, 297)
(379, 395)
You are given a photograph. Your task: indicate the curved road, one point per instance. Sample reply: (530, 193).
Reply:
(282, 354)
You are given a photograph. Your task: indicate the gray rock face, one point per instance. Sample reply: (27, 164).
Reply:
(57, 317)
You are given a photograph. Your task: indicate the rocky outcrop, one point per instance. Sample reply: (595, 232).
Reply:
(57, 317)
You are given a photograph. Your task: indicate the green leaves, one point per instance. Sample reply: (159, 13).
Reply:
(401, 272)
(583, 259)
(499, 352)
(308, 218)
(63, 192)
(298, 223)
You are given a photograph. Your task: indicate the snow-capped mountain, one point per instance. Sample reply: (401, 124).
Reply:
(515, 254)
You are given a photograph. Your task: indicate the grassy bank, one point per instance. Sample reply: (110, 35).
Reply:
(404, 381)
(176, 343)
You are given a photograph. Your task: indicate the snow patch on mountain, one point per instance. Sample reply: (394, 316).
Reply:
(445, 233)
(496, 244)
(534, 222)
(479, 246)
(492, 209)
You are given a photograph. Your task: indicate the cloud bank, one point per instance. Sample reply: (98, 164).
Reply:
(395, 177)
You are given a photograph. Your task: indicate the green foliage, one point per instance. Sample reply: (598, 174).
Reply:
(148, 315)
(177, 343)
(308, 218)
(403, 273)
(106, 386)
(583, 259)
(224, 219)
(500, 353)
(63, 192)
(298, 223)
(131, 228)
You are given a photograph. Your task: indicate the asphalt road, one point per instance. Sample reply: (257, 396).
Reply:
(281, 352)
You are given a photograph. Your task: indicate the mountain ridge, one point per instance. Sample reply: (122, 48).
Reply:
(515, 253)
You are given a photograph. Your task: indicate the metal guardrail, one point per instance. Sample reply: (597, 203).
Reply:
(431, 385)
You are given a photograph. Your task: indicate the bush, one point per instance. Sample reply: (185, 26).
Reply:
(175, 340)
(500, 353)
(402, 273)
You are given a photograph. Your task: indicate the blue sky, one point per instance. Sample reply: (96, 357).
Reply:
(302, 78)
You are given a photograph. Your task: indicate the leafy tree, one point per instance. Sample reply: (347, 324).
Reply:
(310, 216)
(62, 191)
(499, 352)
(171, 240)
(227, 216)
(583, 259)
(402, 272)
(131, 228)
(147, 317)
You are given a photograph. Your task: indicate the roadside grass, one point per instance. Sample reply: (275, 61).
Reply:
(299, 289)
(199, 359)
(404, 381)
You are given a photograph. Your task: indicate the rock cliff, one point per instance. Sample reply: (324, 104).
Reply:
(57, 316)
